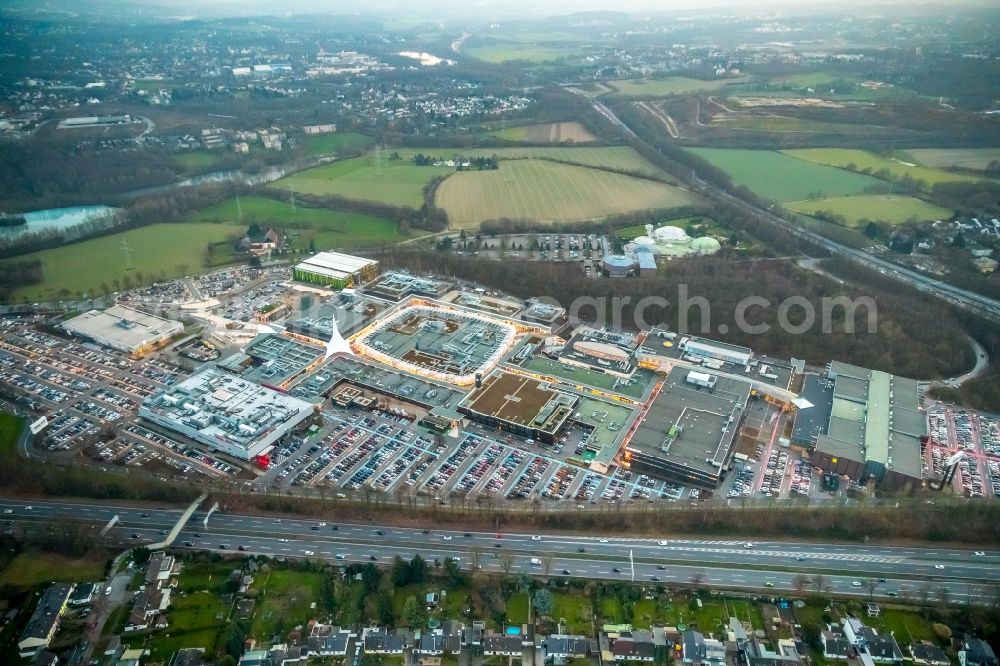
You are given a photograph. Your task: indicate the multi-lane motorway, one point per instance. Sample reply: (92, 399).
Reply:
(906, 571)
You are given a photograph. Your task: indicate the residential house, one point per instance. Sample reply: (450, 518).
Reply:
(147, 611)
(926, 653)
(82, 595)
(977, 652)
(131, 657)
(159, 568)
(328, 641)
(701, 651)
(379, 640)
(622, 645)
(560, 648)
(445, 640)
(881, 648)
(502, 645)
(44, 620)
(836, 645)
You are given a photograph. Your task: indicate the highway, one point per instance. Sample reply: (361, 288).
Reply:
(908, 571)
(968, 300)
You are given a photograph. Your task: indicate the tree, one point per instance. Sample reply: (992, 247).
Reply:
(414, 613)
(544, 602)
(452, 572)
(506, 561)
(697, 578)
(370, 577)
(400, 572)
(418, 569)
(386, 615)
(228, 660)
(942, 631)
(870, 585)
(254, 262)
(799, 582)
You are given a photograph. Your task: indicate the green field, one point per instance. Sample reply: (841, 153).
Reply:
(195, 621)
(395, 182)
(327, 229)
(288, 596)
(891, 208)
(780, 177)
(551, 192)
(160, 251)
(623, 158)
(10, 427)
(546, 133)
(329, 144)
(498, 49)
(810, 79)
(963, 158)
(864, 160)
(673, 85)
(31, 569)
(197, 160)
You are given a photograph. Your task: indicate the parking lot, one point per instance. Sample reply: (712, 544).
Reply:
(953, 429)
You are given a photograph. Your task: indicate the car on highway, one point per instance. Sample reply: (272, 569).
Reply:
(283, 540)
(856, 583)
(748, 545)
(8, 510)
(322, 524)
(581, 549)
(373, 558)
(939, 566)
(655, 579)
(243, 549)
(566, 572)
(604, 541)
(663, 542)
(197, 535)
(978, 553)
(308, 552)
(661, 567)
(769, 584)
(189, 544)
(380, 532)
(224, 546)
(536, 538)
(617, 570)
(340, 556)
(136, 535)
(893, 593)
(446, 537)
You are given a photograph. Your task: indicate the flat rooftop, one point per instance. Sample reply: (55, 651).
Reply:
(278, 359)
(812, 421)
(125, 326)
(517, 399)
(444, 344)
(688, 424)
(335, 262)
(374, 377)
(396, 285)
(348, 315)
(216, 406)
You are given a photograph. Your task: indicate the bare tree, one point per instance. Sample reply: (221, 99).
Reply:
(943, 597)
(506, 561)
(799, 583)
(821, 584)
(546, 564)
(475, 553)
(870, 585)
(697, 578)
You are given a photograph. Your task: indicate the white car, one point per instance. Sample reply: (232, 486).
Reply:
(856, 583)
(322, 524)
(536, 538)
(446, 537)
(29, 508)
(939, 566)
(283, 540)
(663, 542)
(340, 556)
(978, 553)
(308, 552)
(748, 545)
(604, 540)
(8, 510)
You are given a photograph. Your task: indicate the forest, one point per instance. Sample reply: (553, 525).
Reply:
(903, 343)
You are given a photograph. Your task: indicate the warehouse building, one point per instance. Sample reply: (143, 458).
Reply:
(687, 433)
(520, 405)
(618, 265)
(225, 412)
(124, 329)
(334, 269)
(875, 428)
(713, 349)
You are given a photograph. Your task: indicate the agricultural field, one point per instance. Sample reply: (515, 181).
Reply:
(549, 191)
(962, 158)
(891, 208)
(864, 160)
(623, 158)
(703, 226)
(161, 251)
(327, 229)
(780, 177)
(534, 48)
(546, 133)
(329, 144)
(673, 85)
(394, 182)
(810, 79)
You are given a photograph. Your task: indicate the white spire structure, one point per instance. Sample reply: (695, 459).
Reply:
(337, 343)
